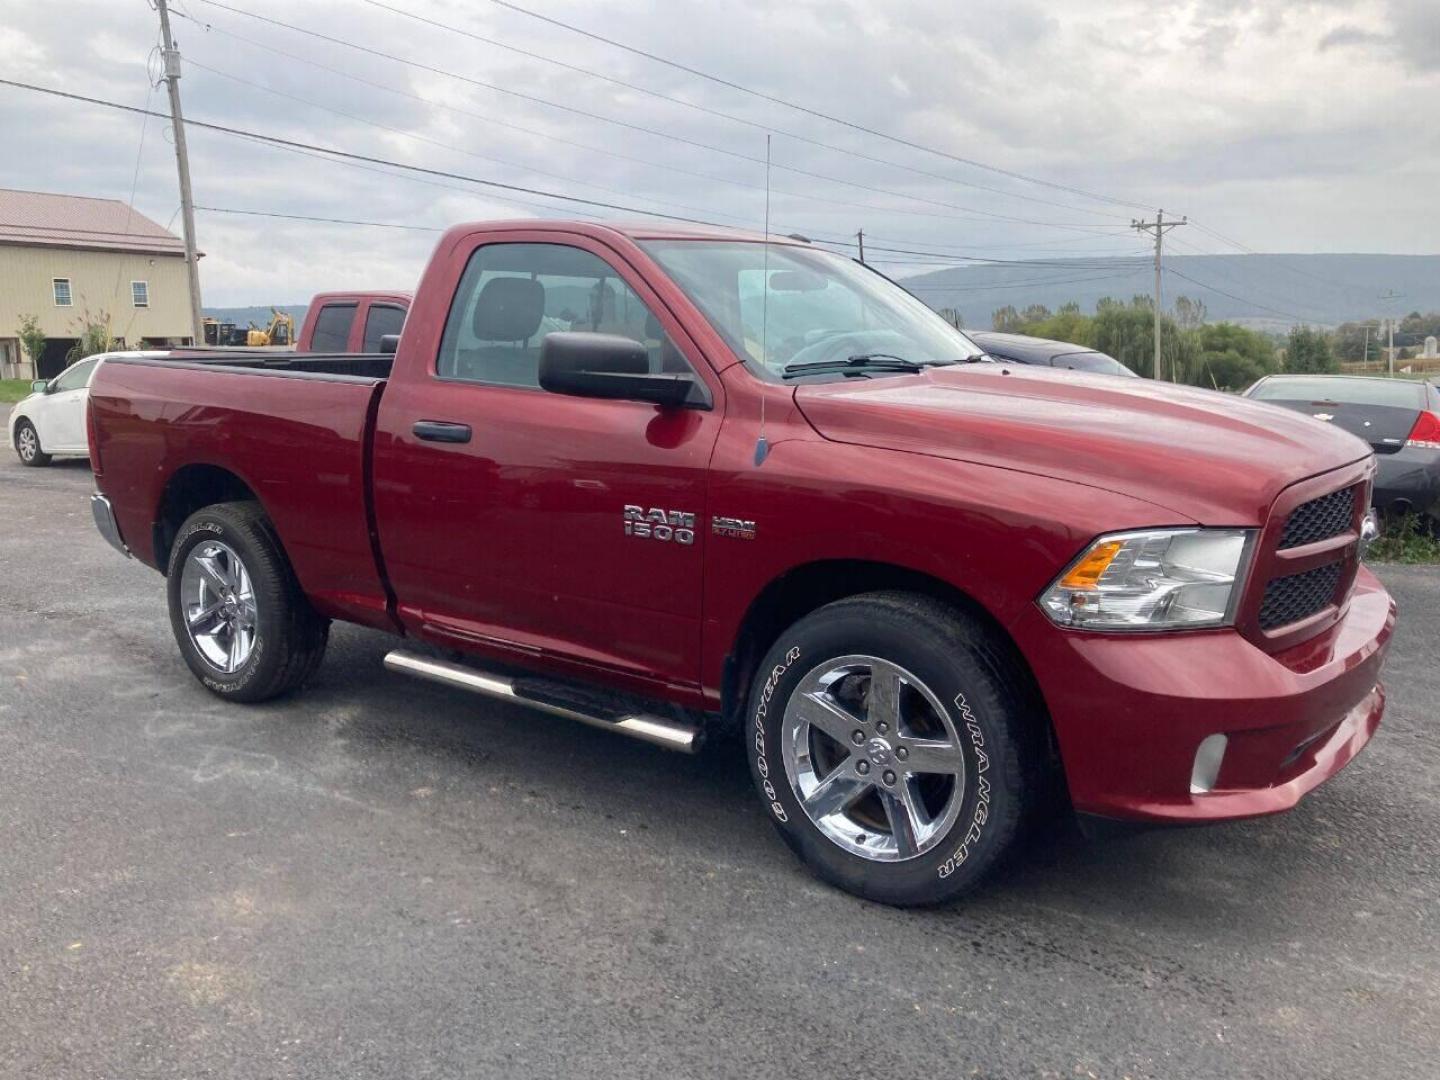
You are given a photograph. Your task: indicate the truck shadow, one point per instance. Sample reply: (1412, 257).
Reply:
(1195, 881)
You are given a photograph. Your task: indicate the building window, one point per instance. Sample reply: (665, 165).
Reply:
(61, 286)
(140, 293)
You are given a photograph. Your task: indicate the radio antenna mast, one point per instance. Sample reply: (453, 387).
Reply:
(762, 447)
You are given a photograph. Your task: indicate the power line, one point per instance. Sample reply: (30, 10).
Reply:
(812, 112)
(270, 49)
(319, 220)
(668, 136)
(434, 142)
(660, 95)
(1018, 284)
(1244, 300)
(349, 155)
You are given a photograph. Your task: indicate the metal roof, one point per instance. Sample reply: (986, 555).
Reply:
(43, 219)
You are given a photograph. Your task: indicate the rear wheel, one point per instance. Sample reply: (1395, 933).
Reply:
(27, 445)
(244, 627)
(895, 746)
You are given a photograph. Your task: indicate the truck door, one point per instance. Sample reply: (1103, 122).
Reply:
(535, 524)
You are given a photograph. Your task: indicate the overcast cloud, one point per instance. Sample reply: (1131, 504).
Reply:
(1288, 126)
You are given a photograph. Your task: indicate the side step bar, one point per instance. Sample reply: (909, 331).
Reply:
(671, 734)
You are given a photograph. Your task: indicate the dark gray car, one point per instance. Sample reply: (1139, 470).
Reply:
(1399, 418)
(1022, 349)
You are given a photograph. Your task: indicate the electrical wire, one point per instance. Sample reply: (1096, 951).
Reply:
(1244, 300)
(814, 112)
(718, 113)
(668, 136)
(270, 49)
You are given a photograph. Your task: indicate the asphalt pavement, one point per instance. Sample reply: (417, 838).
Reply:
(382, 878)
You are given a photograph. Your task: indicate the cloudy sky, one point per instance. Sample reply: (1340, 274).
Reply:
(1276, 125)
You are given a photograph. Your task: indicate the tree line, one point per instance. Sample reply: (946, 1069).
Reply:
(1219, 355)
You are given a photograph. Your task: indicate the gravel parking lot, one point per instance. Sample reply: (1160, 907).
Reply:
(380, 878)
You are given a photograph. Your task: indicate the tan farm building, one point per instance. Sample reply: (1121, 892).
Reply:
(70, 260)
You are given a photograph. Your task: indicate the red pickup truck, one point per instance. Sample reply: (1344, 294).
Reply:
(351, 321)
(657, 480)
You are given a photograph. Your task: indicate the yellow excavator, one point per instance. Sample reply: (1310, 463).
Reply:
(280, 332)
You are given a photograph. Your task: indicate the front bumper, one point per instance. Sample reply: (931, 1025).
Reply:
(1131, 711)
(104, 516)
(1408, 480)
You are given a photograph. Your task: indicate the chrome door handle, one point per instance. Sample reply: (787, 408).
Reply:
(441, 431)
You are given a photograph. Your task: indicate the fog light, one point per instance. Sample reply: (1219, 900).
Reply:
(1369, 530)
(1207, 764)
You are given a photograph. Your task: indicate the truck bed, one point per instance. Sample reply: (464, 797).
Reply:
(161, 425)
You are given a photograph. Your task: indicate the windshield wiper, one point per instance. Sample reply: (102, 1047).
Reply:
(858, 363)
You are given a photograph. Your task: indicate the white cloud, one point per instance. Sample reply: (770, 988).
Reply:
(1291, 125)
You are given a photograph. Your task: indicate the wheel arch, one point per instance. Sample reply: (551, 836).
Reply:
(190, 488)
(804, 588)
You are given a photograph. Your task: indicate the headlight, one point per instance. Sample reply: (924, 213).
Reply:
(1165, 579)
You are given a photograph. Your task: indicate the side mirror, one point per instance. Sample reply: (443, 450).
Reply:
(389, 343)
(609, 366)
(39, 385)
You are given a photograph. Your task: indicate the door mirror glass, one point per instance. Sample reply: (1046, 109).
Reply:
(39, 385)
(609, 366)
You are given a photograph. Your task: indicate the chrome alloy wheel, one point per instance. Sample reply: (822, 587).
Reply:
(219, 605)
(27, 443)
(873, 758)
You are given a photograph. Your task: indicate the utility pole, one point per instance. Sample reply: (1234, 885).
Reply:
(182, 161)
(1365, 352)
(1388, 299)
(860, 238)
(1159, 227)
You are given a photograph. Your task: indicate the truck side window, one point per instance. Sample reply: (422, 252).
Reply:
(380, 320)
(512, 295)
(332, 328)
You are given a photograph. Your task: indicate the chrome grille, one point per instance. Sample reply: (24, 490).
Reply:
(1319, 519)
(1298, 596)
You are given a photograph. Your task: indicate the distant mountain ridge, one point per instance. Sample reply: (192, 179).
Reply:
(1263, 290)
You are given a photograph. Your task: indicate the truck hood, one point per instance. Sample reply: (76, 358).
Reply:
(1214, 458)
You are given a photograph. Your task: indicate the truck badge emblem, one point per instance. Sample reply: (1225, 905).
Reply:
(732, 527)
(1323, 416)
(670, 526)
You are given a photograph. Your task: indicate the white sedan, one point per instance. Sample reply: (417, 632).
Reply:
(51, 421)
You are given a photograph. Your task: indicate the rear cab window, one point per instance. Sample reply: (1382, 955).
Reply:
(332, 328)
(380, 320)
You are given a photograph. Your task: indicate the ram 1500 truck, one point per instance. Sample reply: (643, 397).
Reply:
(654, 479)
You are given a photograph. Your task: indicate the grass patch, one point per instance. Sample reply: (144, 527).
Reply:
(12, 390)
(1405, 540)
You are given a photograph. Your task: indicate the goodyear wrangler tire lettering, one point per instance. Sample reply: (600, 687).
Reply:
(898, 759)
(762, 710)
(982, 791)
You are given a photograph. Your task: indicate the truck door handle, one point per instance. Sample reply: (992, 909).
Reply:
(441, 431)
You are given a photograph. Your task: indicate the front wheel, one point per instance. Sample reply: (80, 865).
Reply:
(27, 445)
(243, 625)
(894, 746)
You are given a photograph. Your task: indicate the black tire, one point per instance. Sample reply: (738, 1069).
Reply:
(31, 457)
(998, 724)
(289, 639)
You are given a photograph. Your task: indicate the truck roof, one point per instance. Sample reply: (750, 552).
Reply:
(636, 230)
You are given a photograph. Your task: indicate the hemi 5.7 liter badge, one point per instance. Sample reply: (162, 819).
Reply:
(733, 527)
(670, 526)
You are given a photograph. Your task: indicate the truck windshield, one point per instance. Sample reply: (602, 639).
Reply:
(792, 306)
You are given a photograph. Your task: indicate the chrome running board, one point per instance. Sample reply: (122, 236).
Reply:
(671, 734)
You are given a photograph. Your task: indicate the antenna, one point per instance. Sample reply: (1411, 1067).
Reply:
(762, 448)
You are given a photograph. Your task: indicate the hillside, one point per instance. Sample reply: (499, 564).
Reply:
(1268, 291)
